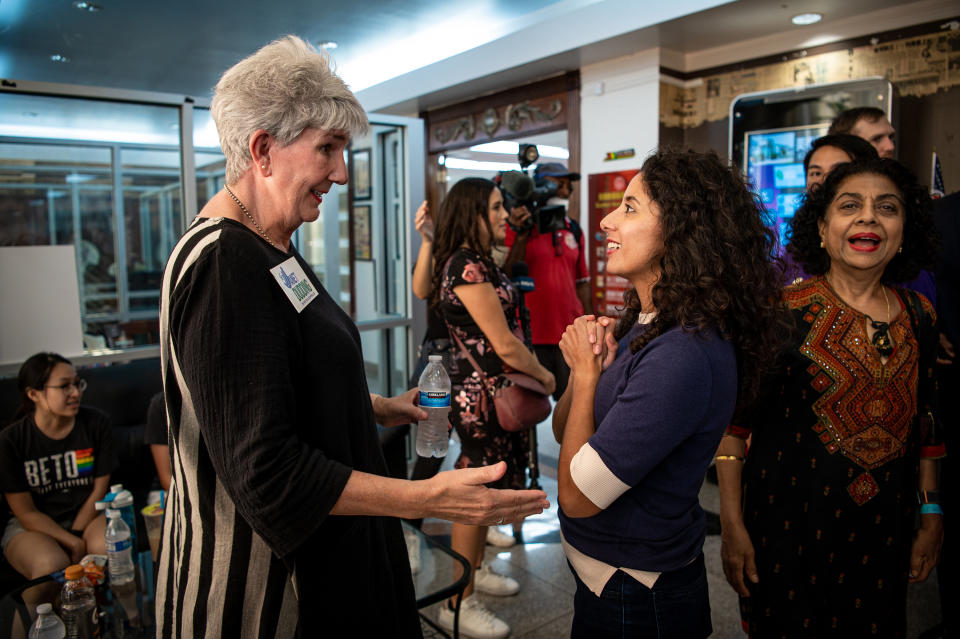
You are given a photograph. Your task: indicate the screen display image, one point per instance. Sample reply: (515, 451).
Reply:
(773, 162)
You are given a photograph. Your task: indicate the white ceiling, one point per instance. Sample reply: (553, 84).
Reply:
(406, 56)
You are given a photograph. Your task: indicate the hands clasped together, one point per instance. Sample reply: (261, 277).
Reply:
(588, 345)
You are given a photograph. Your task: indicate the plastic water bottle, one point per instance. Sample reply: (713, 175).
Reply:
(432, 434)
(78, 605)
(119, 549)
(47, 625)
(122, 500)
(120, 561)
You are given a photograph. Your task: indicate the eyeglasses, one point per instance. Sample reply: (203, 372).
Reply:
(79, 384)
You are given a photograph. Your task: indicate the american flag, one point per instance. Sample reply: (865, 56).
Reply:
(936, 190)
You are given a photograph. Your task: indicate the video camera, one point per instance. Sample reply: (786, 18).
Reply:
(519, 189)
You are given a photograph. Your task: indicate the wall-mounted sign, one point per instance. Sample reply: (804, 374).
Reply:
(619, 155)
(606, 193)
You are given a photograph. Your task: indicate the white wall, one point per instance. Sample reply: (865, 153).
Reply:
(619, 109)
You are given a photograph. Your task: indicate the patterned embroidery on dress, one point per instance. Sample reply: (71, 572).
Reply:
(865, 409)
(863, 488)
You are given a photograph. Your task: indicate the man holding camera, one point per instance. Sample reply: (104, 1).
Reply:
(552, 246)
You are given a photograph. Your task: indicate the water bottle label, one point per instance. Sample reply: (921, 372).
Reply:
(434, 399)
(118, 546)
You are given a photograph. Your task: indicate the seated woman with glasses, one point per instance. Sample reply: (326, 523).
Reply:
(55, 464)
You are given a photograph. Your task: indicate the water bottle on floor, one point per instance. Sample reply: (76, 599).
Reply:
(78, 605)
(432, 435)
(47, 625)
(120, 561)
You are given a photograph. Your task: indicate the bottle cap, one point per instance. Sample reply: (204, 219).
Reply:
(75, 571)
(44, 609)
(435, 358)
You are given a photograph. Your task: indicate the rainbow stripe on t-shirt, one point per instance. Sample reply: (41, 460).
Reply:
(84, 461)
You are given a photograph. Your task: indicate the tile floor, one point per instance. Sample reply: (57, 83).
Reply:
(543, 609)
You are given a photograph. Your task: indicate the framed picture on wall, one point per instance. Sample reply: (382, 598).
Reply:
(361, 233)
(361, 174)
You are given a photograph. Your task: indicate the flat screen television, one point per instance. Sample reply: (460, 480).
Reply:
(773, 162)
(770, 131)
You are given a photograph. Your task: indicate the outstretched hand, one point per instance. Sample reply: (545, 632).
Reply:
(461, 496)
(394, 411)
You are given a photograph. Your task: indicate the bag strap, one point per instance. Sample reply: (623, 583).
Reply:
(576, 230)
(483, 376)
(929, 340)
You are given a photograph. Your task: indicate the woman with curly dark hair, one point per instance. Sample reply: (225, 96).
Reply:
(818, 524)
(641, 418)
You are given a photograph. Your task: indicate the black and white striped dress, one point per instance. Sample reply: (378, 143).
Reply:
(268, 412)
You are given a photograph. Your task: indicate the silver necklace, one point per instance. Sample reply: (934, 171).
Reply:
(250, 217)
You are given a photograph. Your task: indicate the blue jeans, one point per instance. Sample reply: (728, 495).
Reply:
(677, 606)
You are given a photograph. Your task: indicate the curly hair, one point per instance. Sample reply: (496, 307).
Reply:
(920, 241)
(718, 267)
(458, 222)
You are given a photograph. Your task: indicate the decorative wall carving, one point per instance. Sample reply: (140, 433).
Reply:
(493, 121)
(490, 122)
(517, 113)
(452, 132)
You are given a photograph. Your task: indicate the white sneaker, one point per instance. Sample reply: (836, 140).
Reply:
(475, 620)
(413, 551)
(497, 538)
(492, 583)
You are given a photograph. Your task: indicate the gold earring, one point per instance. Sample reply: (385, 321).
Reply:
(900, 250)
(821, 243)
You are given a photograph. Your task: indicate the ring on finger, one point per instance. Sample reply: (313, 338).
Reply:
(500, 521)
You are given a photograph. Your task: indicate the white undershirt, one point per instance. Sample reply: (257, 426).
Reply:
(602, 488)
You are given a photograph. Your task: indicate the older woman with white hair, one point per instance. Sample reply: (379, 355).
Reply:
(280, 517)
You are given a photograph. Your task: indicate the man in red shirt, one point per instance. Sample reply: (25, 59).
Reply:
(559, 271)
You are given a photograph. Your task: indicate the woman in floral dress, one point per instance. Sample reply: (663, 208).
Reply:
(479, 304)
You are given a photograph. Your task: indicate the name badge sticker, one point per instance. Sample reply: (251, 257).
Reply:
(294, 282)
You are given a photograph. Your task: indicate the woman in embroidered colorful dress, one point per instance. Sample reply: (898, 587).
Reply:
(640, 420)
(479, 304)
(824, 544)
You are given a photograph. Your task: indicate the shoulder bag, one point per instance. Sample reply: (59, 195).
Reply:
(520, 400)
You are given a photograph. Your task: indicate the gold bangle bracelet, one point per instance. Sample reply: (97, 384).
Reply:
(728, 458)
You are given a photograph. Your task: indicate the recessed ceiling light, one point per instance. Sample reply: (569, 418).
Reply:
(327, 44)
(806, 18)
(84, 5)
(56, 57)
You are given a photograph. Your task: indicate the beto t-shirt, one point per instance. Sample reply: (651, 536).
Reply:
(58, 473)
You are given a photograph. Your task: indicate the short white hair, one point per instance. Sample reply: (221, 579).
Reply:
(284, 88)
